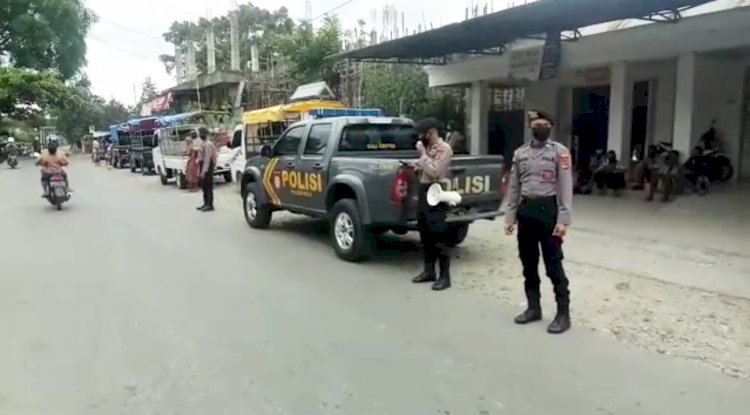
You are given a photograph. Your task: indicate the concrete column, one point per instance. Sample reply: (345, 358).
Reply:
(564, 121)
(685, 135)
(541, 96)
(620, 110)
(479, 109)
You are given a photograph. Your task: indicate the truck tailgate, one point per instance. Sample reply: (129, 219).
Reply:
(477, 178)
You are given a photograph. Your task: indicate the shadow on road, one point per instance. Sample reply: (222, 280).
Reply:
(389, 247)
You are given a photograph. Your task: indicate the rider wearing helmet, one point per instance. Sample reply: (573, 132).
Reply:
(52, 163)
(11, 149)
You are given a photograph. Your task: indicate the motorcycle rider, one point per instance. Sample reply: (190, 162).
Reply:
(11, 149)
(52, 163)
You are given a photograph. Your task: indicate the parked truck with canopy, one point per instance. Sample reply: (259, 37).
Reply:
(141, 144)
(120, 136)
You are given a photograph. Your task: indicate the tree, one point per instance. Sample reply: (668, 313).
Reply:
(257, 26)
(148, 90)
(25, 92)
(397, 89)
(308, 50)
(45, 34)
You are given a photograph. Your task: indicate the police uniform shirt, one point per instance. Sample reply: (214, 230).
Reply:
(435, 162)
(541, 172)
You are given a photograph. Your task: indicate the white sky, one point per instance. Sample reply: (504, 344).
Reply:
(124, 46)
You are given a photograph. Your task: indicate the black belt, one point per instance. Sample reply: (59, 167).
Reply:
(537, 199)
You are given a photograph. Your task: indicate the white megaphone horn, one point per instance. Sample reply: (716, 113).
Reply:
(436, 195)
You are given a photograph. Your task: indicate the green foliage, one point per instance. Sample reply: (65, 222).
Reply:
(308, 50)
(396, 89)
(45, 34)
(25, 92)
(404, 90)
(257, 25)
(148, 90)
(82, 109)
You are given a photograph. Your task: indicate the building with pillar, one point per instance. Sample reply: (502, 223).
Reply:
(632, 83)
(630, 73)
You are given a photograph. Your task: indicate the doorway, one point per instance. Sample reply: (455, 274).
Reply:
(590, 122)
(640, 121)
(506, 132)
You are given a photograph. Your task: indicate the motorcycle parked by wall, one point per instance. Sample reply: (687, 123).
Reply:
(704, 168)
(58, 192)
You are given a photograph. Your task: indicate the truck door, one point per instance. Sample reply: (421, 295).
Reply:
(277, 180)
(313, 169)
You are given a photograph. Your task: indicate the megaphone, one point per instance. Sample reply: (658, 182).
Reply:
(436, 195)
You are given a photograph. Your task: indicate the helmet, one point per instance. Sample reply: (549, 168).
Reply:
(52, 145)
(11, 140)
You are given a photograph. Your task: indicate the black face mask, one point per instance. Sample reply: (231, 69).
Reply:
(541, 133)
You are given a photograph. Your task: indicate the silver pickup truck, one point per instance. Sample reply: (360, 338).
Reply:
(355, 172)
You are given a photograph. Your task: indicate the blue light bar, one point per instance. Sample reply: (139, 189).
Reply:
(318, 113)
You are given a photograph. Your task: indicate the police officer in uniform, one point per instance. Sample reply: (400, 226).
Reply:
(433, 165)
(539, 200)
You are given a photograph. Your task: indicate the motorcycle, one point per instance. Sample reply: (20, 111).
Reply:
(58, 192)
(12, 161)
(707, 167)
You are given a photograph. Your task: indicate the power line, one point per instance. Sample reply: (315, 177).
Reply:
(131, 30)
(121, 49)
(169, 6)
(331, 10)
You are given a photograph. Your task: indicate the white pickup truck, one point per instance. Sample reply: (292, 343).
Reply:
(170, 155)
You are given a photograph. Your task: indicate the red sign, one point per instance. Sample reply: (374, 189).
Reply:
(161, 103)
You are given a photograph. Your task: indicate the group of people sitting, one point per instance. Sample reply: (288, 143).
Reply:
(660, 170)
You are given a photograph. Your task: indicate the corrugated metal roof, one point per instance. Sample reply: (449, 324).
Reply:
(498, 29)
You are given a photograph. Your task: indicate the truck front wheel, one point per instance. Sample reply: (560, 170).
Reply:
(351, 241)
(257, 215)
(455, 234)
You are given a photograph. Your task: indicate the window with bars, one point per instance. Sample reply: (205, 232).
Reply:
(507, 99)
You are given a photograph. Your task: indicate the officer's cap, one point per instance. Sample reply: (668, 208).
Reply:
(540, 115)
(427, 124)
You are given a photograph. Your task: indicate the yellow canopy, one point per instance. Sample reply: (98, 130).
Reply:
(270, 114)
(305, 106)
(281, 112)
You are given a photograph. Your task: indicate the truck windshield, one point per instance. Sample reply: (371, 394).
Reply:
(378, 137)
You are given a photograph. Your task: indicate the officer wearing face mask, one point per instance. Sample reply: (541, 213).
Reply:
(539, 201)
(433, 166)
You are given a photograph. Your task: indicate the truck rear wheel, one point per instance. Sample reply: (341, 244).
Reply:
(227, 176)
(257, 215)
(455, 234)
(351, 240)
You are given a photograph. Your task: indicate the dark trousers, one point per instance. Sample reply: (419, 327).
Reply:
(536, 221)
(207, 184)
(431, 231)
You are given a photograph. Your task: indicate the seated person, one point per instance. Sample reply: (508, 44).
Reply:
(610, 175)
(52, 163)
(667, 173)
(646, 171)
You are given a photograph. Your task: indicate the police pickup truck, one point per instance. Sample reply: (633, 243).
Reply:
(355, 172)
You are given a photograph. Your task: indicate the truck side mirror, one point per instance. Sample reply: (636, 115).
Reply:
(266, 151)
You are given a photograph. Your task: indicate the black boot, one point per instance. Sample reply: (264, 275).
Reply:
(428, 275)
(444, 282)
(561, 323)
(533, 312)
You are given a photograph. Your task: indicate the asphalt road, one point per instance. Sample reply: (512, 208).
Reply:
(130, 302)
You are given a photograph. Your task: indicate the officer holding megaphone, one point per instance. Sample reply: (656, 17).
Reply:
(432, 166)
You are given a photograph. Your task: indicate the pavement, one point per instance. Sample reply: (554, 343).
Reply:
(130, 302)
